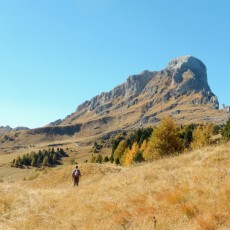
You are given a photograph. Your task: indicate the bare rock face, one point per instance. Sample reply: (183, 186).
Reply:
(180, 90)
(5, 129)
(136, 83)
(189, 75)
(183, 76)
(131, 88)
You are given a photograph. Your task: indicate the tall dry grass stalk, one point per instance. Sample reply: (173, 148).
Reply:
(191, 191)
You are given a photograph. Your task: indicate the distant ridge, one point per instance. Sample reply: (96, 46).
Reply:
(6, 129)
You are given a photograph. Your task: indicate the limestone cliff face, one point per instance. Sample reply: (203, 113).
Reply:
(180, 90)
(132, 87)
(182, 82)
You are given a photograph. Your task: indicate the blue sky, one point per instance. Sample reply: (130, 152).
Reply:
(55, 54)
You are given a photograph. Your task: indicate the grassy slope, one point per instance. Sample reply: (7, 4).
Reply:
(190, 191)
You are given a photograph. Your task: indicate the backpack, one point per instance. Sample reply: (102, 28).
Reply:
(76, 173)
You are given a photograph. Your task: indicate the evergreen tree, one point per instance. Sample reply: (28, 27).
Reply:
(33, 163)
(225, 131)
(55, 158)
(24, 161)
(111, 159)
(187, 134)
(138, 157)
(45, 161)
(119, 151)
(50, 159)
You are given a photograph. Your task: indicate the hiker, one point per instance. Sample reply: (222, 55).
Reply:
(76, 175)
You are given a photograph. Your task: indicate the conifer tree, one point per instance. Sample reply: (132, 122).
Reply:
(143, 146)
(45, 161)
(33, 163)
(119, 151)
(54, 158)
(138, 157)
(225, 131)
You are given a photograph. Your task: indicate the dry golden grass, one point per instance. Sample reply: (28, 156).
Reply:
(191, 191)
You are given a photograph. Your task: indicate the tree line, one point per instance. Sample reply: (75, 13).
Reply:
(50, 157)
(166, 139)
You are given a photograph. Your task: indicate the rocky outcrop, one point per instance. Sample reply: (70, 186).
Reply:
(56, 130)
(183, 77)
(132, 87)
(5, 129)
(180, 90)
(189, 75)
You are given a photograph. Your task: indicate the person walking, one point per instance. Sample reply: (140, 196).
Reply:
(76, 174)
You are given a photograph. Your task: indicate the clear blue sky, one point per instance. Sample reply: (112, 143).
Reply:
(55, 54)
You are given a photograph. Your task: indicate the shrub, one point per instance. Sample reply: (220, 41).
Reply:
(93, 159)
(99, 158)
(106, 159)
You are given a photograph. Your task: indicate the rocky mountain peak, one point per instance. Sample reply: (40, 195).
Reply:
(188, 73)
(188, 61)
(182, 83)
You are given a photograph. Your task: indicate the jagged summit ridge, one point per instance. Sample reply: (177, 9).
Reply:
(132, 87)
(182, 82)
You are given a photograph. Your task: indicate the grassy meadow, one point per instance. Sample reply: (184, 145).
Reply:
(190, 191)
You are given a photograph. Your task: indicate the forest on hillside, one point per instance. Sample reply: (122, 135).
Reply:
(166, 139)
(49, 157)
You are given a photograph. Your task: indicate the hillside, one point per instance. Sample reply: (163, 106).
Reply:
(190, 191)
(180, 90)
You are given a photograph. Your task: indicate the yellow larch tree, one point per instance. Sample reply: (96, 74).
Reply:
(165, 140)
(129, 155)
